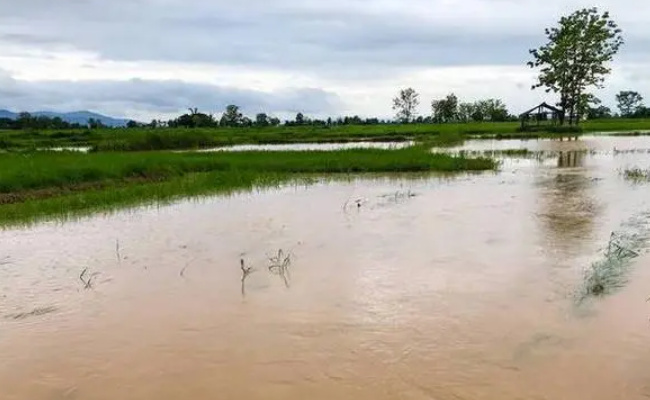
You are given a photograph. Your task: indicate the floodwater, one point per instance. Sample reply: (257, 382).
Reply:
(603, 144)
(427, 288)
(80, 149)
(312, 146)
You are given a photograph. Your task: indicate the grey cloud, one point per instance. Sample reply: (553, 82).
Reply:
(124, 98)
(353, 37)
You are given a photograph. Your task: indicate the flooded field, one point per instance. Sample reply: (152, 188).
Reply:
(81, 149)
(604, 144)
(424, 288)
(312, 146)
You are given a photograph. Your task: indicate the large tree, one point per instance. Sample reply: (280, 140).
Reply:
(446, 110)
(232, 116)
(629, 102)
(465, 111)
(300, 119)
(495, 110)
(406, 104)
(575, 57)
(262, 120)
(599, 112)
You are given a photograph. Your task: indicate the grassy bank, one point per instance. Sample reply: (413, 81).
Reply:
(115, 195)
(165, 139)
(40, 183)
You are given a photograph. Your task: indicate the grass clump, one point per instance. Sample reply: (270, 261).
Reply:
(444, 139)
(637, 174)
(610, 273)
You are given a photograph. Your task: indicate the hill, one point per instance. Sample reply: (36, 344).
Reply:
(80, 117)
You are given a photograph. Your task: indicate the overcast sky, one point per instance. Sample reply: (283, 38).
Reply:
(155, 58)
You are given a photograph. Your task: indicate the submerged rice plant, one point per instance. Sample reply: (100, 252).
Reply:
(610, 273)
(637, 175)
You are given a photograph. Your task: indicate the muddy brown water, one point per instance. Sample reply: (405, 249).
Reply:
(432, 288)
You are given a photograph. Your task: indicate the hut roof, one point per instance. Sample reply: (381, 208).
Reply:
(543, 105)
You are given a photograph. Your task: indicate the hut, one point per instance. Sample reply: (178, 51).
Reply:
(543, 115)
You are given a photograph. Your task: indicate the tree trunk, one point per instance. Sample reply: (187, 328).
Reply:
(561, 116)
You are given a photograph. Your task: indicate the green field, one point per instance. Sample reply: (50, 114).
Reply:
(142, 139)
(43, 183)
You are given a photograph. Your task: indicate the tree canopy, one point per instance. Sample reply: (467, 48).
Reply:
(406, 104)
(575, 57)
(629, 102)
(445, 110)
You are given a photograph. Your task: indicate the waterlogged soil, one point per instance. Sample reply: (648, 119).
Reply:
(428, 288)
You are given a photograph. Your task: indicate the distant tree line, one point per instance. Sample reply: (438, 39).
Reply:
(26, 120)
(629, 103)
(449, 109)
(233, 117)
(445, 110)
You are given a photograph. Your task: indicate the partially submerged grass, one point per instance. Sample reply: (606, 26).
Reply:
(539, 155)
(245, 272)
(610, 273)
(37, 312)
(279, 265)
(86, 279)
(61, 171)
(617, 152)
(637, 174)
(445, 139)
(118, 196)
(33, 186)
(514, 153)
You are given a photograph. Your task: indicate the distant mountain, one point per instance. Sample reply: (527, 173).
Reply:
(80, 117)
(7, 114)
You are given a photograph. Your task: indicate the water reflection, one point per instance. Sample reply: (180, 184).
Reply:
(309, 147)
(567, 205)
(571, 159)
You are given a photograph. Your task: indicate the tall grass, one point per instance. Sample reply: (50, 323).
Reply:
(20, 172)
(35, 185)
(107, 199)
(610, 273)
(445, 139)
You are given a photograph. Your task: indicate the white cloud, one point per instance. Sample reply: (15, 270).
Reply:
(361, 50)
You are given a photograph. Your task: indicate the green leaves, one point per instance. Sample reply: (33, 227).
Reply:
(575, 56)
(629, 102)
(445, 110)
(406, 104)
